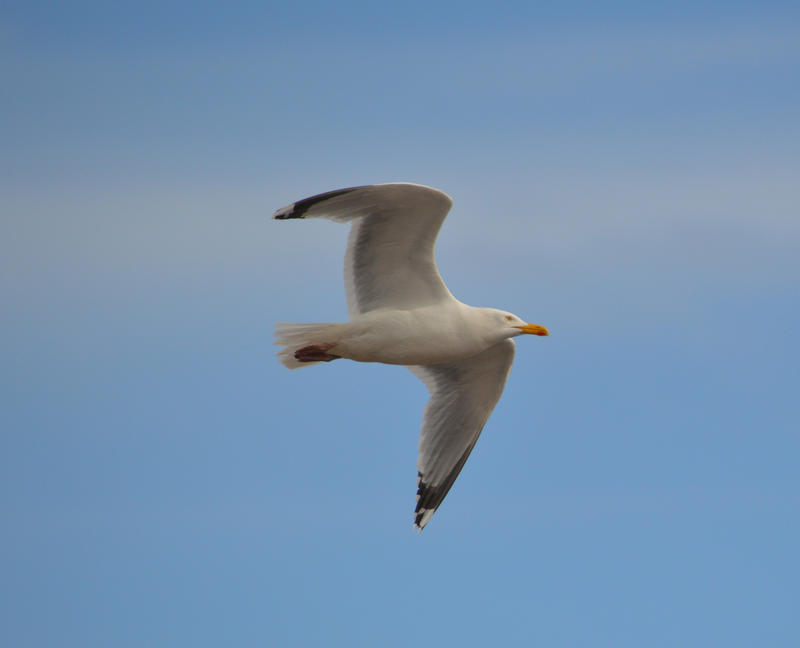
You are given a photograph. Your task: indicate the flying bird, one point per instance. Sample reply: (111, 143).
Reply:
(402, 313)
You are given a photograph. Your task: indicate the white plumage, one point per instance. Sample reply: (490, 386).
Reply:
(401, 312)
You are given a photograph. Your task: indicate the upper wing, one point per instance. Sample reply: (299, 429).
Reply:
(463, 395)
(389, 260)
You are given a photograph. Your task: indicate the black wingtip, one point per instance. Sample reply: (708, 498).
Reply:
(428, 501)
(298, 209)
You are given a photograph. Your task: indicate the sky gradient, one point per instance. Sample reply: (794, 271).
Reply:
(625, 174)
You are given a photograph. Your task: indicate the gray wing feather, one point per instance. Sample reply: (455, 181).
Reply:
(389, 260)
(463, 395)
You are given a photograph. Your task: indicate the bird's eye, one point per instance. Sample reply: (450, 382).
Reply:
(509, 318)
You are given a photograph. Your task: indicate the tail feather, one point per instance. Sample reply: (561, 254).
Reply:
(293, 336)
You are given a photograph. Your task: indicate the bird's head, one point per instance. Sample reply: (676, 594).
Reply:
(509, 325)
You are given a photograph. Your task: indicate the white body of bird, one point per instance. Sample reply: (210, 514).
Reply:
(419, 336)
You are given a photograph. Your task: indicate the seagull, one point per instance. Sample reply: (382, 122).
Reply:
(401, 313)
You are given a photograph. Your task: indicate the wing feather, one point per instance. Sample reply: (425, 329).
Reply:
(463, 395)
(389, 260)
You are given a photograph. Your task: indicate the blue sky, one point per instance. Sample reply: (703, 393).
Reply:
(623, 173)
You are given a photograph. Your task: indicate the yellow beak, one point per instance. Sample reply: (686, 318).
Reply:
(533, 329)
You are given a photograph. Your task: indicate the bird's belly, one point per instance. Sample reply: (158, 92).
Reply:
(408, 352)
(408, 338)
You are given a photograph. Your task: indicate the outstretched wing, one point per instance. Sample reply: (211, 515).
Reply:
(389, 260)
(463, 395)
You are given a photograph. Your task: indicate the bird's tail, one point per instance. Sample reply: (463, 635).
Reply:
(305, 344)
